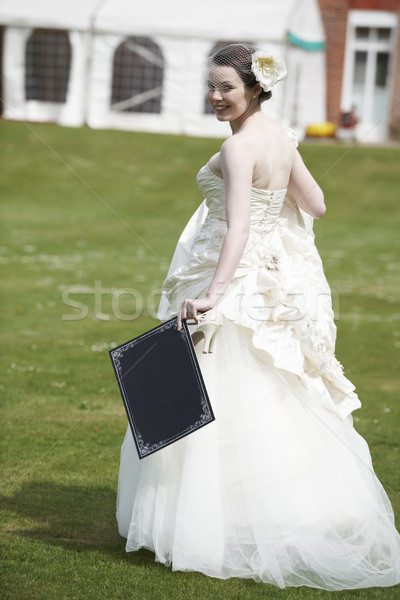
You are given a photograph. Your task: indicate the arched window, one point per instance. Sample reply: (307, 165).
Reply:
(47, 65)
(138, 72)
(217, 46)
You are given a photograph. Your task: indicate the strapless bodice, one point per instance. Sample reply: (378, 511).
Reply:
(266, 205)
(278, 291)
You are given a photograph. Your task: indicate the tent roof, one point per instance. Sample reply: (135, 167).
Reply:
(306, 27)
(210, 19)
(58, 14)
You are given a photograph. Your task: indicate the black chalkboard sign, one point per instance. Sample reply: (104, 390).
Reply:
(161, 386)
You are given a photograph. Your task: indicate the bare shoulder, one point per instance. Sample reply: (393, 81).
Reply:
(271, 137)
(237, 162)
(239, 147)
(234, 143)
(282, 145)
(284, 136)
(274, 155)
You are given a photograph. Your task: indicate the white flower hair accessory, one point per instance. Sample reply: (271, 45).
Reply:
(267, 69)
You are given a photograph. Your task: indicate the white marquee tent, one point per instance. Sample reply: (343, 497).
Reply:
(164, 46)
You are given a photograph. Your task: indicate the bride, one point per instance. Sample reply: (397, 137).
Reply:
(280, 487)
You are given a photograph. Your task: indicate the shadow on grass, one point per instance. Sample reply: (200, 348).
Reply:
(82, 519)
(76, 518)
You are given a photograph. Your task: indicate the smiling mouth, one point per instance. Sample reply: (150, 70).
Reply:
(220, 108)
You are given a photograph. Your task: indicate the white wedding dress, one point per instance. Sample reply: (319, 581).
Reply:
(280, 487)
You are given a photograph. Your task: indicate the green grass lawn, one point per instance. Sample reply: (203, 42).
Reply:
(89, 223)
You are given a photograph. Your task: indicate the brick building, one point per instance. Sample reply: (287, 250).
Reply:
(363, 64)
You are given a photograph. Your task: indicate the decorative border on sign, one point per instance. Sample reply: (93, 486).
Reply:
(205, 417)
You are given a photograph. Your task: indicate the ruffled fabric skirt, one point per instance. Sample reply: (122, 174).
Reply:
(280, 487)
(277, 488)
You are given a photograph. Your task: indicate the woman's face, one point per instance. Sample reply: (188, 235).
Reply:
(228, 95)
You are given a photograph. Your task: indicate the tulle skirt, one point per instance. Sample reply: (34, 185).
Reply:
(277, 488)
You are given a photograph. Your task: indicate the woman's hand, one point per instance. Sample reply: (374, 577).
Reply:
(191, 307)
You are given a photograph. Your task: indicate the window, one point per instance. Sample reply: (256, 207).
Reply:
(362, 33)
(360, 68)
(370, 73)
(138, 72)
(381, 81)
(369, 49)
(47, 65)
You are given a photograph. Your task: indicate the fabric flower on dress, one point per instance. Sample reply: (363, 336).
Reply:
(268, 70)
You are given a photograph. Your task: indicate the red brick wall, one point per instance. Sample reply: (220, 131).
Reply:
(391, 5)
(395, 96)
(334, 17)
(1, 68)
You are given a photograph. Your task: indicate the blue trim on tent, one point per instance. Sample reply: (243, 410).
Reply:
(311, 46)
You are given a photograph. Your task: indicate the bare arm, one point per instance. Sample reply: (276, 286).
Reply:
(237, 170)
(304, 190)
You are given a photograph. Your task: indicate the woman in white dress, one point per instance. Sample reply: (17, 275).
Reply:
(280, 487)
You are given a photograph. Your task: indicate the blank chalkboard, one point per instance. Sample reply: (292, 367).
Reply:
(162, 387)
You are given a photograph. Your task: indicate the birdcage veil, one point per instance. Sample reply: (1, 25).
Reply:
(252, 64)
